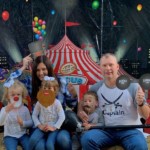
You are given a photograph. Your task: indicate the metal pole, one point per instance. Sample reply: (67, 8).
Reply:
(102, 13)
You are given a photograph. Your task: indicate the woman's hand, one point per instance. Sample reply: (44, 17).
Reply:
(72, 90)
(26, 62)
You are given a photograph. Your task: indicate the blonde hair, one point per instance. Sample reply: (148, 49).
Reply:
(16, 84)
(49, 83)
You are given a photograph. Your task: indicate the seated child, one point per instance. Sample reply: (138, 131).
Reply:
(48, 114)
(90, 106)
(15, 116)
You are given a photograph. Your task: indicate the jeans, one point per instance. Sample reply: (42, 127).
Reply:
(38, 140)
(64, 141)
(11, 143)
(96, 139)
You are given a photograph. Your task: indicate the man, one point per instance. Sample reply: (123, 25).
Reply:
(120, 107)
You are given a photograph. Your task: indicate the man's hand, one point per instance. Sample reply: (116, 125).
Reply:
(139, 96)
(86, 126)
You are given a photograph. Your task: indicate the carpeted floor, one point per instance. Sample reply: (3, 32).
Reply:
(1, 142)
(2, 147)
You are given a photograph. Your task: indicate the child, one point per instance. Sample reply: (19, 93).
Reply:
(15, 116)
(90, 106)
(48, 114)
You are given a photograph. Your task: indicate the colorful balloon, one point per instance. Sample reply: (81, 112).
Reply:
(95, 4)
(40, 21)
(36, 18)
(139, 7)
(53, 12)
(5, 15)
(35, 30)
(37, 36)
(114, 23)
(43, 22)
(38, 27)
(43, 26)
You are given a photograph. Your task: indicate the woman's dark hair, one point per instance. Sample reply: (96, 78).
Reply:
(36, 82)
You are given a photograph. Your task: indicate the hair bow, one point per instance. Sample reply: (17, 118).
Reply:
(10, 81)
(47, 78)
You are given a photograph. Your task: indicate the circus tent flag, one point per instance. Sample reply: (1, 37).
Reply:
(69, 24)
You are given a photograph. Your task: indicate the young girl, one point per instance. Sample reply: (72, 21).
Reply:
(48, 114)
(15, 116)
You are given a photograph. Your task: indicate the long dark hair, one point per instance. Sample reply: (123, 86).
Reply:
(36, 82)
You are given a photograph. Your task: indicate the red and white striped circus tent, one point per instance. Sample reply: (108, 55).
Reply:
(75, 65)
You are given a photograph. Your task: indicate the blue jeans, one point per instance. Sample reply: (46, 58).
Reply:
(38, 138)
(96, 139)
(11, 143)
(64, 140)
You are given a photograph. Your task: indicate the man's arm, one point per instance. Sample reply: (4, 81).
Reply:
(143, 108)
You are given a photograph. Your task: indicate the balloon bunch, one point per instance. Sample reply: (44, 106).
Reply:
(39, 27)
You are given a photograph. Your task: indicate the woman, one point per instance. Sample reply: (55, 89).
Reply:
(41, 67)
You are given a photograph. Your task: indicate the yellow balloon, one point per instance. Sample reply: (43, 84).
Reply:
(36, 18)
(139, 7)
(43, 26)
(35, 30)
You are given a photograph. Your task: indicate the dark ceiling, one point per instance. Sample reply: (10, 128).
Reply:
(95, 25)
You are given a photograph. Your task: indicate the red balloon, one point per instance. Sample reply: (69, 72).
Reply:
(5, 15)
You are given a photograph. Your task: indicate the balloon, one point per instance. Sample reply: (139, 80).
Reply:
(43, 26)
(39, 32)
(114, 22)
(35, 30)
(139, 7)
(33, 23)
(43, 22)
(36, 18)
(36, 24)
(44, 33)
(95, 4)
(40, 38)
(40, 21)
(37, 36)
(5, 15)
(139, 49)
(39, 28)
(52, 12)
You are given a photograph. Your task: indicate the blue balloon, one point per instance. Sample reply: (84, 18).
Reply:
(37, 36)
(53, 12)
